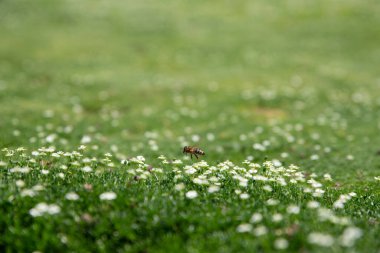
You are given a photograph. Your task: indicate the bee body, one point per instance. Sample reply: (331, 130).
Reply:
(193, 151)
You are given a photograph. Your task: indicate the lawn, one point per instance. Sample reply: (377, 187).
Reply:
(98, 99)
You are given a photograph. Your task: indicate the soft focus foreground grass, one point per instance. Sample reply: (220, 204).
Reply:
(147, 77)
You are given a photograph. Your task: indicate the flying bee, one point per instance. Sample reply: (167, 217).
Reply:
(193, 151)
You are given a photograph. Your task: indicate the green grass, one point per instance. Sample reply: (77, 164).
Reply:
(148, 77)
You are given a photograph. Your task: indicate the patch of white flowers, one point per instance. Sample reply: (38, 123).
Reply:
(43, 208)
(343, 199)
(249, 183)
(321, 239)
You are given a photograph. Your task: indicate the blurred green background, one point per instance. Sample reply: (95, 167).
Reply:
(300, 79)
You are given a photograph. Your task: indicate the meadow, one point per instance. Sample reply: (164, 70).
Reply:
(98, 99)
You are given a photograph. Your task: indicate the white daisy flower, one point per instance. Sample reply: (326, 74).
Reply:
(244, 228)
(281, 243)
(191, 194)
(72, 196)
(320, 239)
(107, 196)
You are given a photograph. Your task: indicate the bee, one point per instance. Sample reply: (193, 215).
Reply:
(193, 151)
